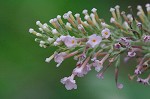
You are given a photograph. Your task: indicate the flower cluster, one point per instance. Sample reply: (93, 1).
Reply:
(96, 44)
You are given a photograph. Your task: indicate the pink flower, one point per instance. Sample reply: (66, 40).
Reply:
(98, 65)
(139, 80)
(94, 40)
(100, 75)
(143, 81)
(87, 68)
(106, 33)
(146, 38)
(117, 46)
(119, 86)
(69, 82)
(137, 71)
(125, 41)
(62, 37)
(81, 71)
(70, 41)
(59, 58)
(146, 82)
(131, 53)
(78, 71)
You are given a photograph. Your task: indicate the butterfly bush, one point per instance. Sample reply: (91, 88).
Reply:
(95, 44)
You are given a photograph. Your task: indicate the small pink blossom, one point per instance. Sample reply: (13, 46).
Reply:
(137, 71)
(124, 41)
(59, 58)
(106, 33)
(146, 82)
(70, 41)
(62, 37)
(87, 68)
(100, 75)
(69, 82)
(131, 53)
(143, 81)
(139, 80)
(98, 65)
(80, 71)
(119, 86)
(83, 69)
(117, 46)
(94, 40)
(146, 38)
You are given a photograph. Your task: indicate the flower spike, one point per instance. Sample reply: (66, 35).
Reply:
(94, 43)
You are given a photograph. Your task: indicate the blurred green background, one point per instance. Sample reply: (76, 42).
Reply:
(25, 75)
